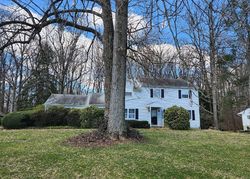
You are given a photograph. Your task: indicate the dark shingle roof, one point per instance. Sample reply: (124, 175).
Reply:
(156, 82)
(75, 100)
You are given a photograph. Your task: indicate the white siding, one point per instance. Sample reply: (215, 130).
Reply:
(141, 99)
(245, 118)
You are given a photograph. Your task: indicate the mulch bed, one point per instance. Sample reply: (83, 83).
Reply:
(100, 139)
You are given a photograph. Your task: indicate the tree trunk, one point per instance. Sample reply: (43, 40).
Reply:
(2, 84)
(248, 64)
(108, 38)
(116, 124)
(213, 65)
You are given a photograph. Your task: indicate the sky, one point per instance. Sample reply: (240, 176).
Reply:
(137, 9)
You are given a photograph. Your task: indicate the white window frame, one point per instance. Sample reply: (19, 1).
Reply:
(131, 113)
(157, 93)
(128, 113)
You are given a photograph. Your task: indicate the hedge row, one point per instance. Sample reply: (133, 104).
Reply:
(90, 117)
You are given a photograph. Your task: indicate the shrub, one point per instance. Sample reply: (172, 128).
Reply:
(39, 118)
(15, 120)
(73, 118)
(56, 116)
(91, 117)
(138, 124)
(177, 118)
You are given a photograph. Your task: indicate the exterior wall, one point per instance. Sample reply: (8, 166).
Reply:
(141, 100)
(245, 119)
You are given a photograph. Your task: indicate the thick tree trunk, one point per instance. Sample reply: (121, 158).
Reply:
(213, 65)
(116, 124)
(108, 38)
(248, 64)
(2, 80)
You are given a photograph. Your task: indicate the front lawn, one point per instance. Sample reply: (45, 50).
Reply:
(39, 153)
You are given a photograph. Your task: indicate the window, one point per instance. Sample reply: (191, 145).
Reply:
(184, 96)
(157, 93)
(131, 114)
(248, 117)
(128, 93)
(126, 113)
(180, 95)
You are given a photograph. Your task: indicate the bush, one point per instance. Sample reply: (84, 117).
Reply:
(54, 116)
(177, 118)
(73, 118)
(16, 120)
(91, 117)
(138, 124)
(39, 118)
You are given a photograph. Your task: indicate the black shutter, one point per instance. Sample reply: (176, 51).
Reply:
(193, 115)
(162, 93)
(190, 94)
(136, 113)
(179, 94)
(151, 93)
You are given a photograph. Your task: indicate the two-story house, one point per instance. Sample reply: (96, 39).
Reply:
(148, 99)
(144, 100)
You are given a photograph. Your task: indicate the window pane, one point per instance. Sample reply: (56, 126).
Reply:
(128, 93)
(131, 114)
(157, 93)
(184, 96)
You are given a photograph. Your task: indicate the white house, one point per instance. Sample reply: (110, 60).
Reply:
(245, 118)
(145, 100)
(148, 98)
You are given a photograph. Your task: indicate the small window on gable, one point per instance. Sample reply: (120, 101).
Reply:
(128, 93)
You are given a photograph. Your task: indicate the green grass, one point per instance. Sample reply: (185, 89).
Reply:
(39, 153)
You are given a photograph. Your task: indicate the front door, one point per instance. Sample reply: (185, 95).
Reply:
(153, 116)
